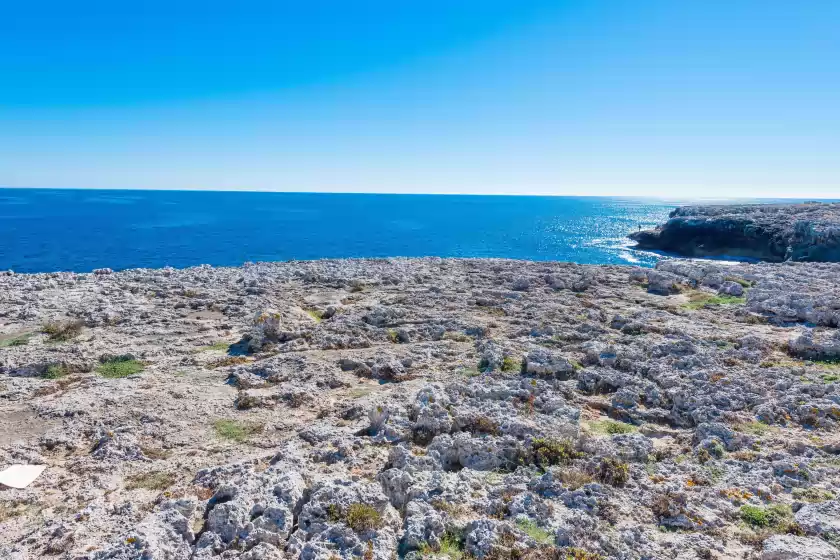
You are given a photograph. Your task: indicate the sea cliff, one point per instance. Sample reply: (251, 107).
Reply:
(770, 232)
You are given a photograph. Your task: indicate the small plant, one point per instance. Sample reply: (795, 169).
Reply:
(119, 367)
(547, 452)
(741, 281)
(778, 516)
(362, 517)
(451, 545)
(227, 361)
(700, 300)
(484, 425)
(393, 336)
(511, 364)
(613, 472)
(580, 554)
(753, 428)
(573, 478)
(611, 427)
(155, 452)
(54, 371)
(812, 495)
(155, 480)
(220, 346)
(235, 431)
(530, 528)
(16, 340)
(62, 331)
(316, 315)
(457, 336)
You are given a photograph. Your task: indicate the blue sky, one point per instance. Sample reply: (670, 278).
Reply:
(646, 97)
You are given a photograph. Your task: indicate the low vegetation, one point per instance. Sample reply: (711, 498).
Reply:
(62, 331)
(700, 300)
(316, 315)
(155, 480)
(547, 452)
(610, 427)
(511, 364)
(54, 371)
(234, 430)
(777, 517)
(613, 472)
(119, 367)
(7, 341)
(362, 517)
(530, 528)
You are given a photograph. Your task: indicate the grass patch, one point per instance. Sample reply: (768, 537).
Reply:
(117, 368)
(155, 480)
(741, 281)
(15, 340)
(155, 452)
(572, 478)
(511, 364)
(227, 361)
(316, 315)
(451, 545)
(778, 517)
(546, 452)
(234, 430)
(610, 427)
(457, 336)
(362, 517)
(220, 346)
(754, 428)
(62, 331)
(54, 371)
(813, 495)
(530, 528)
(701, 300)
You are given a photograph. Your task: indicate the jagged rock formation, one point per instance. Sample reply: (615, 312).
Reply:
(413, 408)
(807, 232)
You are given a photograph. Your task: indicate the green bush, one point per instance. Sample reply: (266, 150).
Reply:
(117, 368)
(777, 516)
(15, 340)
(62, 331)
(362, 517)
(235, 431)
(54, 371)
(613, 472)
(530, 528)
(511, 364)
(546, 452)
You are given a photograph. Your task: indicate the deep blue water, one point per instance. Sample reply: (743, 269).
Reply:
(79, 230)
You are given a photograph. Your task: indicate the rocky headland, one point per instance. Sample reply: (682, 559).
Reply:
(417, 408)
(807, 232)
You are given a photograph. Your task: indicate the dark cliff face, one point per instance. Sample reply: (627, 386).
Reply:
(772, 232)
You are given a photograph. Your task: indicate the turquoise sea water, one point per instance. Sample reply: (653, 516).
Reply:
(79, 230)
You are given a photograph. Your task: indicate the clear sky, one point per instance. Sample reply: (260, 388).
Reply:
(644, 97)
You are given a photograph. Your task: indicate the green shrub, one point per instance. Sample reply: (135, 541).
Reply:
(362, 517)
(700, 300)
(117, 368)
(530, 528)
(234, 430)
(393, 336)
(613, 472)
(217, 346)
(62, 331)
(316, 315)
(54, 371)
(511, 364)
(777, 516)
(546, 452)
(611, 427)
(15, 340)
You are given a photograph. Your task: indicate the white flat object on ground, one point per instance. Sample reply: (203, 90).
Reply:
(21, 476)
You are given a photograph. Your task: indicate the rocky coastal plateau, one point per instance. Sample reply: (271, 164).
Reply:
(808, 232)
(420, 408)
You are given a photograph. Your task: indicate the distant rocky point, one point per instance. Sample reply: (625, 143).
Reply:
(808, 232)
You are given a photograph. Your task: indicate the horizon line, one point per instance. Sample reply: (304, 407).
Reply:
(430, 193)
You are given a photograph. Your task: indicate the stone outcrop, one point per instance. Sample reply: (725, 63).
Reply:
(807, 232)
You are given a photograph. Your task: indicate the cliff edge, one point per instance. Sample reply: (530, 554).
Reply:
(808, 232)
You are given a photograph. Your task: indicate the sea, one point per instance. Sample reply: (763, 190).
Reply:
(45, 230)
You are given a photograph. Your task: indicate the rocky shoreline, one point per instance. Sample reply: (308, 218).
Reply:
(807, 232)
(420, 408)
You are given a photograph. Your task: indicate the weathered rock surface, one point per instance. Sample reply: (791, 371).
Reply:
(417, 407)
(771, 232)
